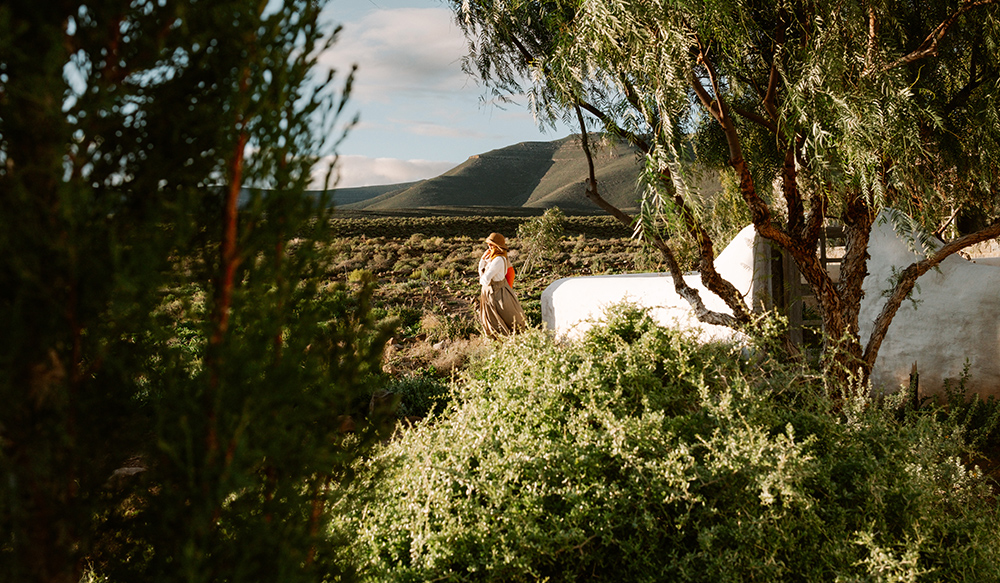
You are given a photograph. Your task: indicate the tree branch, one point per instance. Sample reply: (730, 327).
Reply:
(770, 100)
(939, 232)
(749, 81)
(873, 29)
(591, 192)
(817, 212)
(858, 219)
(793, 198)
(929, 48)
(632, 96)
(525, 53)
(976, 78)
(756, 118)
(802, 251)
(229, 253)
(690, 294)
(706, 266)
(631, 137)
(759, 210)
(712, 279)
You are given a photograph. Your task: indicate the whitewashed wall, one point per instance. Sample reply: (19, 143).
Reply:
(956, 316)
(571, 305)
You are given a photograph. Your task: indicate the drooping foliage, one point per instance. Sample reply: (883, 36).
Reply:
(824, 111)
(173, 370)
(638, 454)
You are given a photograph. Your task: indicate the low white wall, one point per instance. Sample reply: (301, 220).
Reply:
(571, 305)
(956, 316)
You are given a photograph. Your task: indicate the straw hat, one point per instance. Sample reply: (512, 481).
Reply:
(498, 240)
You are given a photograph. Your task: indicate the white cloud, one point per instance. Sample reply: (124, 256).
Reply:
(415, 50)
(426, 128)
(413, 99)
(365, 171)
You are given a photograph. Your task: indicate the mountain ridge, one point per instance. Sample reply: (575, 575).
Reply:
(526, 176)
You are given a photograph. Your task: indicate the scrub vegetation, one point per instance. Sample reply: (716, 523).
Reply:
(427, 284)
(637, 454)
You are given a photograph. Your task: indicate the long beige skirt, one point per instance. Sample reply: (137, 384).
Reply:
(499, 311)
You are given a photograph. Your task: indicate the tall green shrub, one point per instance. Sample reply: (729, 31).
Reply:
(161, 294)
(539, 238)
(640, 455)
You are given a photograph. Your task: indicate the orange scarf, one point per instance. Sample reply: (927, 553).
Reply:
(492, 251)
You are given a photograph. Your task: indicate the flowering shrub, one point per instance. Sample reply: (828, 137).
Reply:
(637, 454)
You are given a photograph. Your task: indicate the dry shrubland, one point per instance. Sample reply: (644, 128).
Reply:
(427, 282)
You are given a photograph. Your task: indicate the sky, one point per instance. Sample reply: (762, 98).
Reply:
(420, 114)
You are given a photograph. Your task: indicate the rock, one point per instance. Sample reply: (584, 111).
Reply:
(121, 476)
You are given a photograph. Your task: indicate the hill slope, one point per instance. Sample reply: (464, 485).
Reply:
(346, 196)
(529, 174)
(617, 168)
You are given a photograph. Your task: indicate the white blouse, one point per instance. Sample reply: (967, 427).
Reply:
(492, 270)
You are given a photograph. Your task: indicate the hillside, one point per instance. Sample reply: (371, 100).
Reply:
(617, 168)
(527, 175)
(346, 196)
(530, 176)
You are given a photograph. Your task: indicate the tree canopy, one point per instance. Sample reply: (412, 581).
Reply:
(823, 110)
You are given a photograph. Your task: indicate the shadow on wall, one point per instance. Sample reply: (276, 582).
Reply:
(954, 315)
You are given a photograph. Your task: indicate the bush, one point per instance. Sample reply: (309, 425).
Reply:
(640, 455)
(439, 327)
(405, 265)
(360, 276)
(407, 319)
(532, 306)
(539, 237)
(420, 395)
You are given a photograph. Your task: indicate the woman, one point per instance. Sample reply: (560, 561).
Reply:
(499, 311)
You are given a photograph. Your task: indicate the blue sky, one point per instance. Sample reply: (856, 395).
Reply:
(420, 115)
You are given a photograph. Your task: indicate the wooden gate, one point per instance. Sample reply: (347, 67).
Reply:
(779, 285)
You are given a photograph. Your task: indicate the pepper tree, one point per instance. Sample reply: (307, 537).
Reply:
(822, 110)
